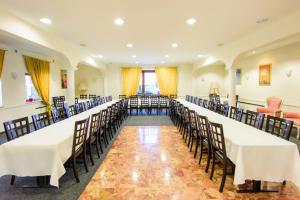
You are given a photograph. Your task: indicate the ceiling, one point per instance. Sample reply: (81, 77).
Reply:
(151, 25)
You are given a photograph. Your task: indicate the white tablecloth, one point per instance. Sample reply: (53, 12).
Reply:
(43, 152)
(256, 154)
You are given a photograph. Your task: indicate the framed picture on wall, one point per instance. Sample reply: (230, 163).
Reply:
(238, 75)
(265, 74)
(64, 79)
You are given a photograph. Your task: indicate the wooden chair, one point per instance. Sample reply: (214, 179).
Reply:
(204, 139)
(224, 110)
(14, 129)
(254, 119)
(193, 129)
(122, 96)
(154, 104)
(92, 96)
(279, 127)
(205, 104)
(219, 151)
(102, 129)
(93, 135)
(83, 96)
(58, 102)
(200, 102)
(134, 104)
(67, 111)
(77, 108)
(72, 110)
(236, 113)
(163, 104)
(79, 147)
(40, 120)
(173, 96)
(145, 105)
(195, 101)
(55, 115)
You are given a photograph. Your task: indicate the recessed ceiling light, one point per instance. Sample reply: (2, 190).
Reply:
(253, 52)
(166, 56)
(100, 56)
(134, 56)
(119, 21)
(129, 45)
(191, 21)
(200, 55)
(45, 20)
(260, 21)
(174, 45)
(163, 62)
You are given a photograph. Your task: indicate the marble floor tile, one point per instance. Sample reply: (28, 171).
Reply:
(155, 163)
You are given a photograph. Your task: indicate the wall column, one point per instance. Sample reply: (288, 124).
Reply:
(71, 85)
(231, 86)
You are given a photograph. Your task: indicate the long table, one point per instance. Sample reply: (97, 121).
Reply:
(43, 152)
(257, 155)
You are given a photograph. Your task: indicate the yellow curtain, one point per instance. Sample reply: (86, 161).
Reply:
(40, 75)
(2, 53)
(167, 80)
(130, 80)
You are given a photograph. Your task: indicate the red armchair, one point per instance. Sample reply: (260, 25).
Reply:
(273, 107)
(295, 117)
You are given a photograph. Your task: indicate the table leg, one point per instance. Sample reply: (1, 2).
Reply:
(256, 187)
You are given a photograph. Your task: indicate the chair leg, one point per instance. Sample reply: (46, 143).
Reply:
(223, 178)
(75, 170)
(84, 160)
(196, 148)
(201, 151)
(213, 166)
(100, 144)
(192, 142)
(208, 159)
(90, 153)
(12, 180)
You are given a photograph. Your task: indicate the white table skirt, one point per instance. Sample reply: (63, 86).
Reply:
(43, 152)
(257, 155)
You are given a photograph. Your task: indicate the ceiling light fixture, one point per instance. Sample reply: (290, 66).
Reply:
(45, 20)
(174, 45)
(134, 56)
(119, 21)
(163, 62)
(200, 55)
(166, 56)
(260, 21)
(191, 21)
(129, 45)
(100, 56)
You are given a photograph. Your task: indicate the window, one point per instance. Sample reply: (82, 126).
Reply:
(148, 83)
(31, 93)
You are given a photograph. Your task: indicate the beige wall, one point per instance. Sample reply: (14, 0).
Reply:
(113, 79)
(93, 79)
(13, 91)
(203, 78)
(284, 60)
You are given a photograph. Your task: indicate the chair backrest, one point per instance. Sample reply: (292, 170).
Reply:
(16, 128)
(103, 117)
(72, 110)
(145, 100)
(67, 110)
(163, 100)
(193, 119)
(80, 133)
(187, 97)
(91, 96)
(55, 115)
(217, 138)
(77, 108)
(154, 100)
(224, 109)
(279, 127)
(186, 114)
(83, 96)
(122, 96)
(274, 102)
(236, 113)
(94, 125)
(40, 120)
(76, 100)
(195, 100)
(58, 101)
(134, 101)
(254, 119)
(203, 127)
(200, 102)
(205, 103)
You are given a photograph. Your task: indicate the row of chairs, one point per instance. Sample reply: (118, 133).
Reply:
(21, 126)
(149, 104)
(102, 127)
(275, 125)
(209, 136)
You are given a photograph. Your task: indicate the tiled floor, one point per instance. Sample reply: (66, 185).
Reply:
(154, 163)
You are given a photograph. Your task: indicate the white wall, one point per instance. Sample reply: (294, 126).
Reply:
(285, 59)
(204, 77)
(93, 79)
(113, 80)
(13, 91)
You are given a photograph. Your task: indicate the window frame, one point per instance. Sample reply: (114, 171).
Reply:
(26, 99)
(143, 79)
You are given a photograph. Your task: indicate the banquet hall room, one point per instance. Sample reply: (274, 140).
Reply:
(142, 100)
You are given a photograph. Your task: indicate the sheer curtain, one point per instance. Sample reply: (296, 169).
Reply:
(40, 75)
(167, 80)
(130, 80)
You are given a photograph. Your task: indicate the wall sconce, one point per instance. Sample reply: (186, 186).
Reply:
(82, 87)
(14, 75)
(288, 73)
